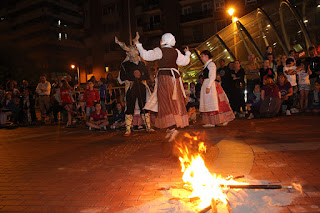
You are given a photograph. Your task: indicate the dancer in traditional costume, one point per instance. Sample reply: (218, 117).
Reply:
(168, 98)
(214, 104)
(135, 74)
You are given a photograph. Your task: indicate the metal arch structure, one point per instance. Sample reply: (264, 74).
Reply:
(267, 17)
(255, 46)
(225, 46)
(298, 19)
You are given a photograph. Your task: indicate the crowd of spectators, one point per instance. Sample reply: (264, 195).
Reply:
(267, 89)
(271, 88)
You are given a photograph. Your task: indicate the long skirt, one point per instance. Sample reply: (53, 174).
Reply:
(170, 112)
(224, 114)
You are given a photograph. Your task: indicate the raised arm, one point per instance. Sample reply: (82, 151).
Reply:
(183, 60)
(149, 55)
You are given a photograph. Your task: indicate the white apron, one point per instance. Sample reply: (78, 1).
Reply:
(209, 102)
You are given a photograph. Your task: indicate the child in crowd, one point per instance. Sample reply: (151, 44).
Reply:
(98, 119)
(8, 108)
(286, 93)
(290, 71)
(254, 102)
(304, 84)
(314, 98)
(91, 96)
(67, 101)
(118, 117)
(266, 70)
(110, 98)
(271, 99)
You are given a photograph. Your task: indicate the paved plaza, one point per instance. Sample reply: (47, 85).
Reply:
(54, 169)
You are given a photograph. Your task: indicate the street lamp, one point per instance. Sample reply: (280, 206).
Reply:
(78, 71)
(231, 11)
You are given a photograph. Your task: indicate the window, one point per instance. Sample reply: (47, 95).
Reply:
(205, 6)
(186, 10)
(249, 2)
(65, 36)
(108, 10)
(219, 4)
(59, 23)
(59, 36)
(105, 10)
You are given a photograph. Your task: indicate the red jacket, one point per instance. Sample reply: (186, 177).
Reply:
(91, 96)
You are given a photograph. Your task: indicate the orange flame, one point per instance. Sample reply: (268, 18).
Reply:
(196, 175)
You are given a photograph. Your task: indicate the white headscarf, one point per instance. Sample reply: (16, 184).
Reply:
(168, 39)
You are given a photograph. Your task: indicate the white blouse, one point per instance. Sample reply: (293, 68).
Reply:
(156, 54)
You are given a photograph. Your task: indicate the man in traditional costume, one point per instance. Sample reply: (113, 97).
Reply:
(168, 98)
(214, 104)
(134, 74)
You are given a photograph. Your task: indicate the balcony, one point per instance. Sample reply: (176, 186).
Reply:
(196, 16)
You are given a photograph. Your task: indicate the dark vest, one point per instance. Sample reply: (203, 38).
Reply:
(168, 60)
(205, 72)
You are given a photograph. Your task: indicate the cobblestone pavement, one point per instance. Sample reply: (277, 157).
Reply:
(53, 169)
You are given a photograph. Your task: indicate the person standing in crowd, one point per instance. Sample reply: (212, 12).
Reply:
(91, 96)
(111, 80)
(269, 50)
(290, 71)
(286, 92)
(273, 64)
(226, 79)
(110, 99)
(266, 71)
(271, 99)
(292, 54)
(43, 89)
(26, 114)
(67, 101)
(314, 98)
(198, 87)
(214, 104)
(238, 101)
(252, 73)
(314, 61)
(103, 93)
(94, 82)
(70, 81)
(303, 83)
(98, 119)
(282, 64)
(56, 102)
(168, 96)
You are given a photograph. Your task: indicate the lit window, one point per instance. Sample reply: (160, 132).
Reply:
(219, 4)
(60, 36)
(59, 23)
(65, 36)
(186, 10)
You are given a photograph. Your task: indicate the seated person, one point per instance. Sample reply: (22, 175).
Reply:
(254, 102)
(118, 117)
(8, 108)
(98, 119)
(314, 98)
(286, 91)
(271, 99)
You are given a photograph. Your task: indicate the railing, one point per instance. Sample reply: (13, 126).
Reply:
(196, 16)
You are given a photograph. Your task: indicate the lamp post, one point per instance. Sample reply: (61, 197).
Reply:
(234, 19)
(78, 72)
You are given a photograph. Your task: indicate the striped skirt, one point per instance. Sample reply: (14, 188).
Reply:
(170, 112)
(224, 114)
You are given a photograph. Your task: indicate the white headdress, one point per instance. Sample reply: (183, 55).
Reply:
(168, 39)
